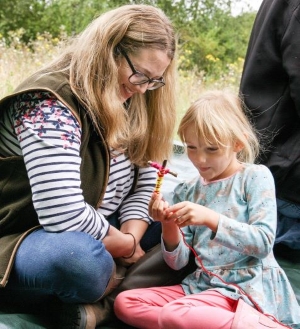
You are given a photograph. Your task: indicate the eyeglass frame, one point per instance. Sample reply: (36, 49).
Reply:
(134, 71)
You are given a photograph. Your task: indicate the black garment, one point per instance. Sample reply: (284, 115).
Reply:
(270, 87)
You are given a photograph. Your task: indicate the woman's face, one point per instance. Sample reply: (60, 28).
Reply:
(151, 62)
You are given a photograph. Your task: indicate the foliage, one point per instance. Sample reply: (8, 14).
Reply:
(19, 60)
(209, 36)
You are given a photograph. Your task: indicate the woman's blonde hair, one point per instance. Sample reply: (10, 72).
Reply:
(145, 128)
(219, 117)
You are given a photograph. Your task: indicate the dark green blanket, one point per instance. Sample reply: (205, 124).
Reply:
(11, 318)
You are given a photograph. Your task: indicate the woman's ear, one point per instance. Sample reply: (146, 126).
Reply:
(238, 146)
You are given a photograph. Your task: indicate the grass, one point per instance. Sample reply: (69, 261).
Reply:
(18, 61)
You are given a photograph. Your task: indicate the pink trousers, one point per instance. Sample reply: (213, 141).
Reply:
(170, 308)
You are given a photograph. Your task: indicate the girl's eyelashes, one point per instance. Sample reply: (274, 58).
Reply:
(212, 149)
(209, 149)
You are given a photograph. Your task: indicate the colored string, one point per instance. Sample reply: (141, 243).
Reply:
(162, 171)
(160, 177)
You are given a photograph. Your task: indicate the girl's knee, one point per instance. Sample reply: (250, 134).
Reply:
(165, 317)
(121, 305)
(170, 318)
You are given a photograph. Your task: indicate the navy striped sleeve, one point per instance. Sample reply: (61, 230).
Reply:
(49, 137)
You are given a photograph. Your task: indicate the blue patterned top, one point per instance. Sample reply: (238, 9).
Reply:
(241, 250)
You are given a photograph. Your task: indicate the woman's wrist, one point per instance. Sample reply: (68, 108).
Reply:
(134, 247)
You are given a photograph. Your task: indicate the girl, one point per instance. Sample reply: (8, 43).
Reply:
(227, 217)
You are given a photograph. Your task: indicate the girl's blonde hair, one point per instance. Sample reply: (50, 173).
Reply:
(220, 118)
(144, 128)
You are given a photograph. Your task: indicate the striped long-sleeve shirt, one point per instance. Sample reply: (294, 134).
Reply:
(48, 135)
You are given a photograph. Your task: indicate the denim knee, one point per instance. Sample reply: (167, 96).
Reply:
(71, 265)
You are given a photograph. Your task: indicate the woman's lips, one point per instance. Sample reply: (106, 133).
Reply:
(127, 92)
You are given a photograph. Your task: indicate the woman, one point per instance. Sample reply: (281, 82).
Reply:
(72, 137)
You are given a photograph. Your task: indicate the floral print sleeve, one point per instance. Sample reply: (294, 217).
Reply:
(49, 137)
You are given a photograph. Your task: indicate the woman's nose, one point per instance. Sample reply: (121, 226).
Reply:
(141, 88)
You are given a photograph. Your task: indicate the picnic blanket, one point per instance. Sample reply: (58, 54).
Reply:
(11, 318)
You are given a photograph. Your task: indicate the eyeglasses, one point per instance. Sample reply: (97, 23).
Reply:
(139, 78)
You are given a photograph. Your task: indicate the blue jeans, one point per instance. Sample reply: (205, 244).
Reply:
(288, 224)
(72, 266)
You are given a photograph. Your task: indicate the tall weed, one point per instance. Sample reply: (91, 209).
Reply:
(18, 61)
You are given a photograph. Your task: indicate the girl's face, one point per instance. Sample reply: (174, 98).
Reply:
(151, 62)
(212, 161)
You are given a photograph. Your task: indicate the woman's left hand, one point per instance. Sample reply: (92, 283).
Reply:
(139, 252)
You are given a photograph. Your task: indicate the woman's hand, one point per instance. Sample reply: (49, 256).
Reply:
(139, 252)
(125, 244)
(119, 244)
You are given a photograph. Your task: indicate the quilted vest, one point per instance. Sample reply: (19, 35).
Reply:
(17, 215)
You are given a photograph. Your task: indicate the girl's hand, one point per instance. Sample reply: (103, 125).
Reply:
(189, 213)
(157, 207)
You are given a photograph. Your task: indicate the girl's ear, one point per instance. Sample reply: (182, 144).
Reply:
(238, 146)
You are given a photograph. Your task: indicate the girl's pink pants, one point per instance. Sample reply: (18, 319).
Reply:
(170, 308)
